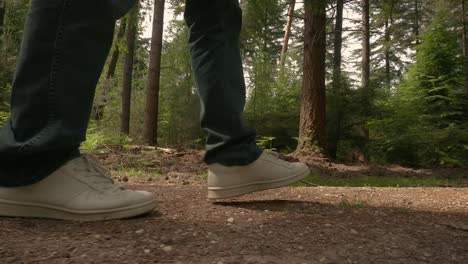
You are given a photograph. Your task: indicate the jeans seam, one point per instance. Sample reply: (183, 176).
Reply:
(52, 96)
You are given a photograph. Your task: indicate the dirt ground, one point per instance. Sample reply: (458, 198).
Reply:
(287, 225)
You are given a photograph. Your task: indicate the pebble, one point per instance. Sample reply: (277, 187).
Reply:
(231, 220)
(140, 231)
(167, 248)
(353, 231)
(147, 251)
(165, 240)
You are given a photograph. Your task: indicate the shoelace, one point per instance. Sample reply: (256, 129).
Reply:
(96, 174)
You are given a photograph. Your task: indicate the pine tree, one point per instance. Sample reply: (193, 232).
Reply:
(287, 33)
(102, 100)
(312, 132)
(365, 64)
(128, 71)
(2, 17)
(335, 113)
(426, 122)
(152, 91)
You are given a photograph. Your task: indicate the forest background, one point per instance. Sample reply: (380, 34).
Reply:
(381, 81)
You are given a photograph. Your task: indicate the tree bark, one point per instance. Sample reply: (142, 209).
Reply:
(150, 134)
(465, 44)
(116, 53)
(287, 33)
(388, 40)
(416, 24)
(464, 38)
(128, 72)
(312, 131)
(365, 76)
(2, 18)
(387, 54)
(338, 42)
(335, 129)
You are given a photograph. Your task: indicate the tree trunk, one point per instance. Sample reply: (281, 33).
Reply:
(335, 125)
(287, 34)
(388, 45)
(416, 24)
(387, 55)
(116, 53)
(365, 76)
(465, 44)
(338, 42)
(102, 101)
(2, 18)
(128, 71)
(150, 135)
(312, 131)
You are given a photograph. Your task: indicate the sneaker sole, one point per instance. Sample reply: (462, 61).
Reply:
(215, 193)
(29, 210)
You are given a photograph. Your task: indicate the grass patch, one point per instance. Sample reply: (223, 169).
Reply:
(369, 181)
(203, 174)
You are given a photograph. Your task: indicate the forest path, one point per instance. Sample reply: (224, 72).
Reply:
(287, 225)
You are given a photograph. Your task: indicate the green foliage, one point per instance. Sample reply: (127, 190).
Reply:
(3, 117)
(98, 136)
(273, 94)
(179, 103)
(10, 40)
(426, 122)
(418, 118)
(266, 142)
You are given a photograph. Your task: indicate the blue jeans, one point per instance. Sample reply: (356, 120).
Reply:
(64, 48)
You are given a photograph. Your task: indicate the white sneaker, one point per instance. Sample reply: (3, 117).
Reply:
(267, 172)
(81, 190)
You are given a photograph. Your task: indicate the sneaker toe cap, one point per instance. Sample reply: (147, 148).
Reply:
(111, 201)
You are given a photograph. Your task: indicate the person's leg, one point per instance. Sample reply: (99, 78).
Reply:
(236, 165)
(42, 173)
(64, 47)
(217, 66)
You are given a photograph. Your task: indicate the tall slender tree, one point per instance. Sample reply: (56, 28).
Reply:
(388, 36)
(464, 43)
(336, 107)
(287, 32)
(116, 52)
(128, 71)
(152, 91)
(312, 131)
(365, 66)
(417, 18)
(2, 17)
(101, 102)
